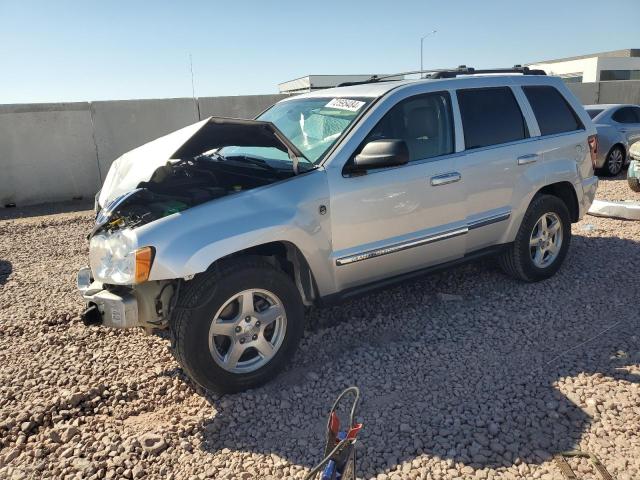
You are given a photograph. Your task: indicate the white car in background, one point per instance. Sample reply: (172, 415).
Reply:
(618, 128)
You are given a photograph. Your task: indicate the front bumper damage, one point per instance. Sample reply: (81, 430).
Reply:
(147, 305)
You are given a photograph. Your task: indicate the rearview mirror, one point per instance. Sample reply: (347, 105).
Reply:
(389, 152)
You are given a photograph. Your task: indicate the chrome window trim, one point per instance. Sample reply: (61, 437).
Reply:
(418, 242)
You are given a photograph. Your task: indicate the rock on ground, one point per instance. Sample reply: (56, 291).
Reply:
(464, 374)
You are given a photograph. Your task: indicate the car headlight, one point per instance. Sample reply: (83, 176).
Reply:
(116, 259)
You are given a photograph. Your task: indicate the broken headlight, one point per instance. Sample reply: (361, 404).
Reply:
(116, 259)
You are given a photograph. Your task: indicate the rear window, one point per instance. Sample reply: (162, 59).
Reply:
(490, 116)
(552, 111)
(593, 113)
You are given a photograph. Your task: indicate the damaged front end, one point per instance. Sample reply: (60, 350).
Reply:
(184, 169)
(147, 305)
(163, 178)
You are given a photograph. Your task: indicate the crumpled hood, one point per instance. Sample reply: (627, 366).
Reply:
(139, 164)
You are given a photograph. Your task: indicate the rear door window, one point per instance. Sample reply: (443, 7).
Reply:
(625, 115)
(490, 116)
(552, 111)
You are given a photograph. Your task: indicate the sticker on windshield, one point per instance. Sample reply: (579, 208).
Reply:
(345, 104)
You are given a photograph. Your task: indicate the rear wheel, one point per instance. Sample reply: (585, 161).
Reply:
(237, 325)
(614, 162)
(541, 242)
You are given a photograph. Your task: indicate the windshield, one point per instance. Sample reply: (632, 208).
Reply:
(311, 124)
(594, 112)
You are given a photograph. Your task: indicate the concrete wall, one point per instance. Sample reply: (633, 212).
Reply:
(248, 107)
(120, 126)
(620, 92)
(61, 151)
(46, 153)
(587, 93)
(627, 91)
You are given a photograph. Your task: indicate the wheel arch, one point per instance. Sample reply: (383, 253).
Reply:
(566, 192)
(287, 257)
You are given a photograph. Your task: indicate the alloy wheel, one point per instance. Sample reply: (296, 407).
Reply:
(546, 240)
(247, 331)
(615, 161)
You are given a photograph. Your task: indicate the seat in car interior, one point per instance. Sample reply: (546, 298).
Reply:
(422, 131)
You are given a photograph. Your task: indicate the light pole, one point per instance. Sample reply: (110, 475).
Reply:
(432, 32)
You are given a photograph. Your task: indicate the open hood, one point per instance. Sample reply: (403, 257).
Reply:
(139, 165)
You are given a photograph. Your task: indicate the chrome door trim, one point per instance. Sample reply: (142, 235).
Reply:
(418, 242)
(483, 222)
(397, 247)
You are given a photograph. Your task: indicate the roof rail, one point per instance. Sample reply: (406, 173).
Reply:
(464, 70)
(448, 73)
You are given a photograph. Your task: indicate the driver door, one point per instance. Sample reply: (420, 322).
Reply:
(391, 221)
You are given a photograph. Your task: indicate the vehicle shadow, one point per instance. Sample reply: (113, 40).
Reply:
(5, 270)
(488, 379)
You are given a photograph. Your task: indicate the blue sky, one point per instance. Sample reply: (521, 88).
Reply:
(111, 49)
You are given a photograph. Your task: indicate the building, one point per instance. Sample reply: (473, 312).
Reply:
(595, 67)
(310, 83)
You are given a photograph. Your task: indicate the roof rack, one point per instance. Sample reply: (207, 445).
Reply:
(449, 73)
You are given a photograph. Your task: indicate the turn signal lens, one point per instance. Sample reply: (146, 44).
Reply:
(593, 148)
(144, 259)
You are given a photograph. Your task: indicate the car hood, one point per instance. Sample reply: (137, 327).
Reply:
(139, 164)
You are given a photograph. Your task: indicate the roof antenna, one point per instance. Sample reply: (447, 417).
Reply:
(193, 88)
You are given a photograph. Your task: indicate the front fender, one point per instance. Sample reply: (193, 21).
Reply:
(188, 242)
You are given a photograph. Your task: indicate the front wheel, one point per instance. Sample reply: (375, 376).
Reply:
(237, 325)
(541, 242)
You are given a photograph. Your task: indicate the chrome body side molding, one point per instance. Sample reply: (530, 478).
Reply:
(417, 242)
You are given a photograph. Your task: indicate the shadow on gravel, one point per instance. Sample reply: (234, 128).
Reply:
(45, 209)
(476, 380)
(5, 271)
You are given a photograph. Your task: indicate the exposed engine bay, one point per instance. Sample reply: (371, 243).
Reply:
(182, 184)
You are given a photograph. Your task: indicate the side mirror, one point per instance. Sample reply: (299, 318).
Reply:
(382, 153)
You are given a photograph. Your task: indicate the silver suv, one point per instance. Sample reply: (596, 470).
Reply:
(224, 231)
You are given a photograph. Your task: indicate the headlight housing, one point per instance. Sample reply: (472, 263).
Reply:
(116, 259)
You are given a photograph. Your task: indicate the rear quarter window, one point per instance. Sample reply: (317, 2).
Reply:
(552, 111)
(490, 116)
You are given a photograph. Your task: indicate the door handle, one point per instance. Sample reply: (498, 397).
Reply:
(445, 179)
(530, 158)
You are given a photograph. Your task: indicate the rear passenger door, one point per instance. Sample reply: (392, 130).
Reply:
(562, 144)
(498, 150)
(628, 123)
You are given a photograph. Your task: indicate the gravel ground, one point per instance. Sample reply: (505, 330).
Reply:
(464, 374)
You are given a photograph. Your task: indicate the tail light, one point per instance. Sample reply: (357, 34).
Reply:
(593, 148)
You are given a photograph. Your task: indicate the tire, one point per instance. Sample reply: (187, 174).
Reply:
(517, 260)
(217, 297)
(614, 162)
(634, 183)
